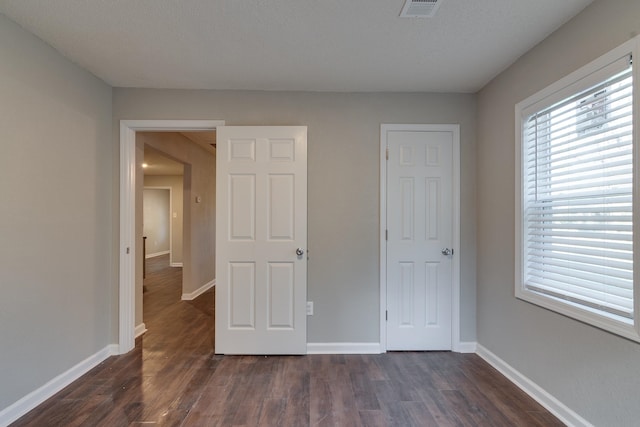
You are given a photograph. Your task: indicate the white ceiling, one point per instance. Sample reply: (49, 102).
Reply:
(315, 45)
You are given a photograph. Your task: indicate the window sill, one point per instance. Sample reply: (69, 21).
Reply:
(608, 322)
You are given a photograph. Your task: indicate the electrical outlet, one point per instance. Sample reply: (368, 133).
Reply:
(309, 308)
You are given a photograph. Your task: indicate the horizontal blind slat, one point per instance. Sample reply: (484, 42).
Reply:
(580, 244)
(626, 255)
(580, 279)
(582, 262)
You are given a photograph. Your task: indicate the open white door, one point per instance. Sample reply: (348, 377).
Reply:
(261, 240)
(419, 249)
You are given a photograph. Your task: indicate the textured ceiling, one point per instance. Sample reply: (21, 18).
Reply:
(315, 45)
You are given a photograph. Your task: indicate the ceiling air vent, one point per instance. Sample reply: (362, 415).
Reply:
(420, 8)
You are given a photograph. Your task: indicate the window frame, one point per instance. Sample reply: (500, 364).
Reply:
(583, 78)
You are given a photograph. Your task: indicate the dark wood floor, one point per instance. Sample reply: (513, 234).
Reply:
(173, 378)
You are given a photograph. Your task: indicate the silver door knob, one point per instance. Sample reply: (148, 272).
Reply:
(299, 251)
(447, 251)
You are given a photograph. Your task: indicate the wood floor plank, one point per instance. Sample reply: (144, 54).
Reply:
(273, 411)
(481, 406)
(332, 401)
(174, 378)
(438, 407)
(364, 391)
(373, 418)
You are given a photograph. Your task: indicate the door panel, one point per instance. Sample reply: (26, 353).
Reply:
(242, 217)
(242, 292)
(261, 220)
(281, 291)
(281, 207)
(419, 224)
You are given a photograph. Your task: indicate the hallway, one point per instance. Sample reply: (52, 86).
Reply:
(173, 378)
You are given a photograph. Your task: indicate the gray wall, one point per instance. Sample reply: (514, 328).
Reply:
(343, 189)
(595, 373)
(56, 266)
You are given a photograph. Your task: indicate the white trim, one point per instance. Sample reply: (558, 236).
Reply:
(30, 401)
(540, 395)
(175, 264)
(140, 329)
(383, 238)
(128, 129)
(201, 290)
(127, 247)
(153, 255)
(344, 348)
(456, 345)
(467, 347)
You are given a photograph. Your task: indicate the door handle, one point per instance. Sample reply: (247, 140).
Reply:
(299, 251)
(447, 251)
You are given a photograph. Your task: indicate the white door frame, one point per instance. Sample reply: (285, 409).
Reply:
(455, 273)
(127, 247)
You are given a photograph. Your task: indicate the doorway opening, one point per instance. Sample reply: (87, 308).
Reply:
(128, 248)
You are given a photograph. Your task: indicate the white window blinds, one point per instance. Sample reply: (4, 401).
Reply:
(577, 195)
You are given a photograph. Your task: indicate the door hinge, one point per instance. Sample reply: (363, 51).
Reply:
(386, 234)
(387, 153)
(386, 315)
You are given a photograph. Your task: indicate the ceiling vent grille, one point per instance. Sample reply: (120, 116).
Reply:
(420, 8)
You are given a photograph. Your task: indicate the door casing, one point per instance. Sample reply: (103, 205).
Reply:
(455, 273)
(127, 247)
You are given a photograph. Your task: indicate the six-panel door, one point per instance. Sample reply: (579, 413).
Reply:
(419, 224)
(261, 221)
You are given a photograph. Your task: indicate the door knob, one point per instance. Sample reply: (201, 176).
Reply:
(299, 251)
(447, 251)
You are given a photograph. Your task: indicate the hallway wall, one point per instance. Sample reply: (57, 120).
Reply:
(177, 200)
(155, 220)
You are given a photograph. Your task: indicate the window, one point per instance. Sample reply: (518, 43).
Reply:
(575, 209)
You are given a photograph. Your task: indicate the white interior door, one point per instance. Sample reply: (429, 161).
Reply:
(261, 223)
(419, 212)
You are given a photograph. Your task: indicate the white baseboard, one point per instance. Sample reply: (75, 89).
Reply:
(465, 347)
(343, 348)
(139, 330)
(36, 397)
(155, 254)
(202, 289)
(175, 264)
(553, 405)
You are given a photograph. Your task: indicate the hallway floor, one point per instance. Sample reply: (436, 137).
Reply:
(173, 378)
